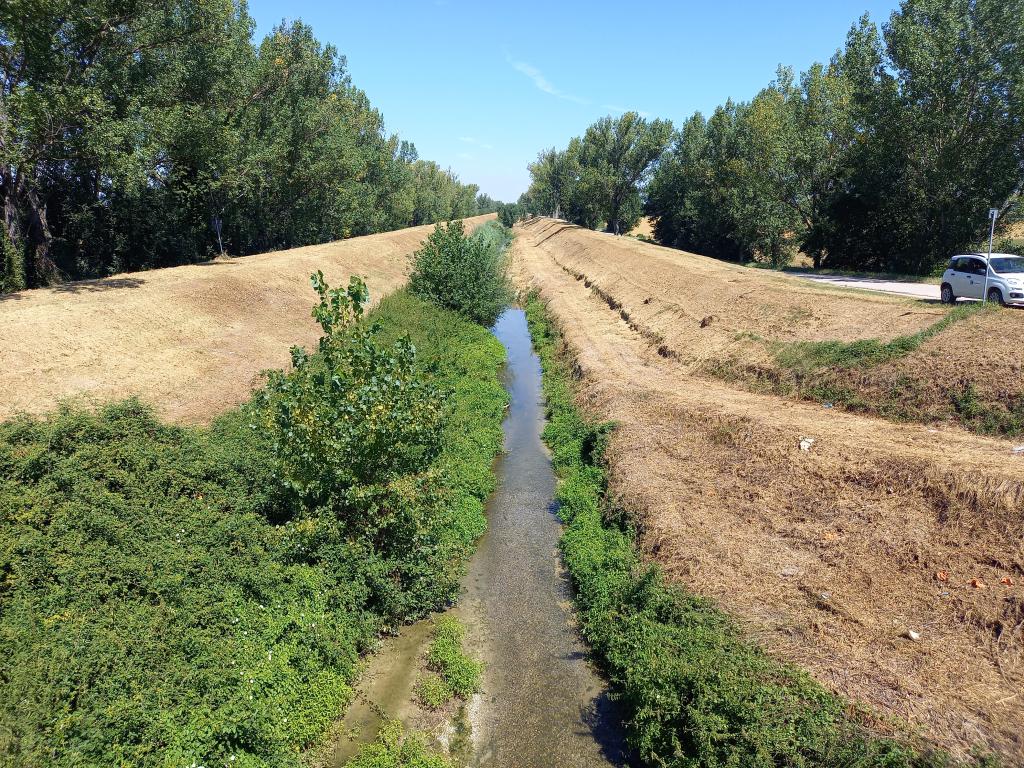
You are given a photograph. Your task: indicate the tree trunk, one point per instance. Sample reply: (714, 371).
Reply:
(13, 243)
(44, 269)
(817, 259)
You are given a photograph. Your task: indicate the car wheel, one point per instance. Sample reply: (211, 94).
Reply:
(996, 297)
(948, 297)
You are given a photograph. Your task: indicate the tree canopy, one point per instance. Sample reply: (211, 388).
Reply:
(886, 158)
(137, 133)
(597, 180)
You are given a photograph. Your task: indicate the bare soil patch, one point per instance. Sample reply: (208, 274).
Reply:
(191, 340)
(829, 556)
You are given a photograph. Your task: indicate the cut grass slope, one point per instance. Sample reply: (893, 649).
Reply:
(875, 377)
(883, 355)
(160, 603)
(694, 691)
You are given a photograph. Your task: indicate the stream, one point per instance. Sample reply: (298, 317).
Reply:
(542, 704)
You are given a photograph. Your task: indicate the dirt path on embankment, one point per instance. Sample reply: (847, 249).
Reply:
(190, 340)
(828, 557)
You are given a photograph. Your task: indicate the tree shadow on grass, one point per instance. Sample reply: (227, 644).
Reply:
(98, 286)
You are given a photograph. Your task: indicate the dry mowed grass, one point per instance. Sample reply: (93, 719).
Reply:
(829, 557)
(190, 340)
(645, 228)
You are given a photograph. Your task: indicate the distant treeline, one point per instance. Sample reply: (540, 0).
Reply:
(888, 158)
(146, 133)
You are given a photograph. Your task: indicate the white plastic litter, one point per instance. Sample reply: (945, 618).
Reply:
(806, 443)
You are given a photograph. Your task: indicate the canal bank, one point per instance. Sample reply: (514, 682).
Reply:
(541, 703)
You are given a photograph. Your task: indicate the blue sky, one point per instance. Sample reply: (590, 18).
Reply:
(482, 87)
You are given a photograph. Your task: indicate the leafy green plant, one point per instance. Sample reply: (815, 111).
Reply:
(432, 691)
(454, 673)
(466, 274)
(394, 748)
(356, 415)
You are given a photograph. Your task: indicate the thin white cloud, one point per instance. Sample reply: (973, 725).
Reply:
(541, 82)
(624, 110)
(465, 155)
(475, 142)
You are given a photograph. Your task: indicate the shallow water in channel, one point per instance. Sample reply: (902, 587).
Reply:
(542, 704)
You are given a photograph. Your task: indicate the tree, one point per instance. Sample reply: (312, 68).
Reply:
(940, 124)
(692, 193)
(554, 176)
(617, 157)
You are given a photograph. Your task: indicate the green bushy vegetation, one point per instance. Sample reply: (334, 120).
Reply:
(394, 748)
(693, 691)
(510, 214)
(452, 672)
(466, 274)
(177, 595)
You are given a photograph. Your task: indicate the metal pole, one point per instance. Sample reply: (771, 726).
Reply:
(992, 213)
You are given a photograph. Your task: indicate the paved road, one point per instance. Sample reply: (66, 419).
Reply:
(917, 290)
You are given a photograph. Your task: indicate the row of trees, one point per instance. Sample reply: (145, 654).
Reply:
(887, 158)
(142, 133)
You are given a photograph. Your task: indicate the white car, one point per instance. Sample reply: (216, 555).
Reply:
(965, 278)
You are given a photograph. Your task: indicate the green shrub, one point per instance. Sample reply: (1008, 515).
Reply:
(454, 672)
(509, 214)
(466, 274)
(693, 692)
(394, 748)
(448, 659)
(432, 691)
(357, 415)
(167, 598)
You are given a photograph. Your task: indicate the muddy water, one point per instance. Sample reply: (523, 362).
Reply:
(542, 704)
(386, 690)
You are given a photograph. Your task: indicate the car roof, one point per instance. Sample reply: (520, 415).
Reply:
(984, 256)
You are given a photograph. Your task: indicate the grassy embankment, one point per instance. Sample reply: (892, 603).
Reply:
(849, 375)
(165, 599)
(693, 691)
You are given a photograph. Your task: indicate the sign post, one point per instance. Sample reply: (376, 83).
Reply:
(992, 214)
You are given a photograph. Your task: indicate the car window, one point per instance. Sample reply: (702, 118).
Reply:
(977, 267)
(1008, 265)
(957, 265)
